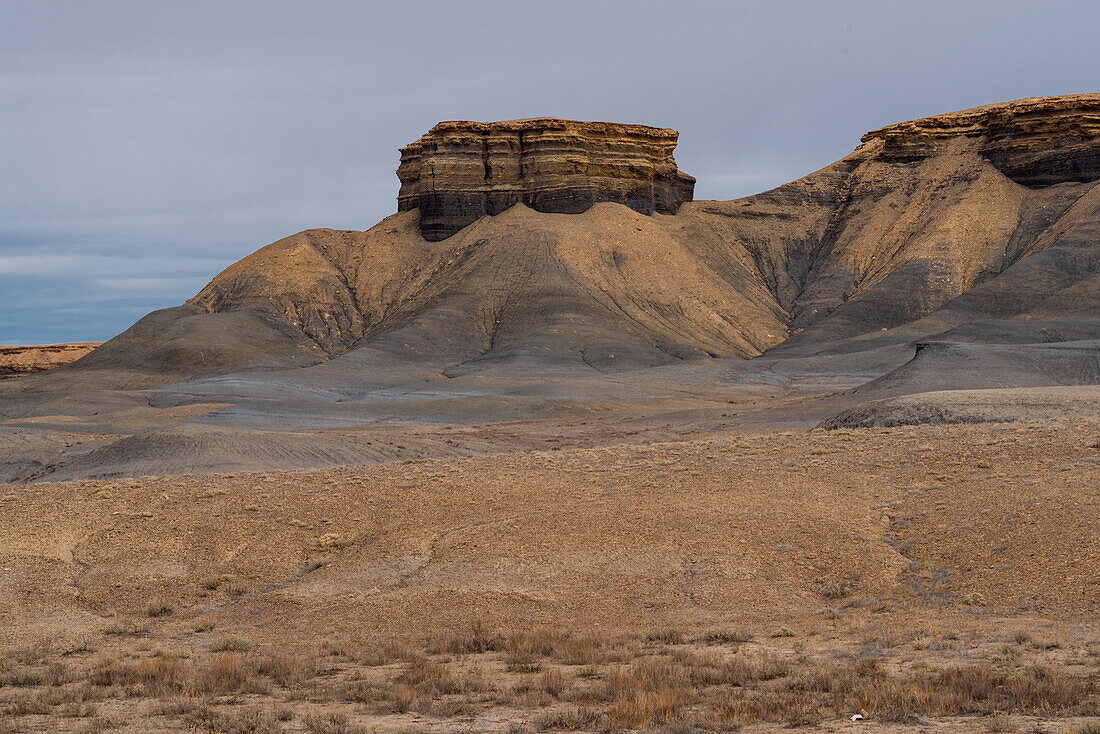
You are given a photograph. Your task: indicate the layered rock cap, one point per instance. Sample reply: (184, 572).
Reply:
(461, 171)
(1036, 142)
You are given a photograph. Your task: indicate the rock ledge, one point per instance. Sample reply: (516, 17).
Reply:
(1036, 142)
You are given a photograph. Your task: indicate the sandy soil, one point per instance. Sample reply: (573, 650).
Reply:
(894, 542)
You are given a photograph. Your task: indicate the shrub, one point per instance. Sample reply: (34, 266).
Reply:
(97, 725)
(230, 644)
(576, 718)
(332, 723)
(475, 639)
(284, 670)
(725, 637)
(552, 682)
(667, 636)
(390, 651)
(224, 674)
(835, 588)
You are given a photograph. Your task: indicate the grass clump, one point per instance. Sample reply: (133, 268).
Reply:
(230, 644)
(250, 721)
(225, 674)
(330, 723)
(285, 670)
(573, 718)
(475, 639)
(725, 637)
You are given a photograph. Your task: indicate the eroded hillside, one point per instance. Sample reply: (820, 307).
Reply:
(917, 216)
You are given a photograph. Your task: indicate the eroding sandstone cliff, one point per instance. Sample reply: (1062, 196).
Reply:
(1035, 142)
(461, 171)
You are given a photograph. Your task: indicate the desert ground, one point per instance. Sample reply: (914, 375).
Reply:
(938, 578)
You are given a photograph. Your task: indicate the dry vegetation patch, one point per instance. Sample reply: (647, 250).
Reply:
(651, 681)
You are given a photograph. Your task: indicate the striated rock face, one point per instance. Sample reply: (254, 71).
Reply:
(1035, 142)
(461, 171)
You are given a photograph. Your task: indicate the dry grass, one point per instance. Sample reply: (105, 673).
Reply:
(647, 693)
(385, 653)
(330, 723)
(230, 644)
(158, 610)
(286, 670)
(250, 721)
(559, 680)
(725, 637)
(475, 639)
(573, 718)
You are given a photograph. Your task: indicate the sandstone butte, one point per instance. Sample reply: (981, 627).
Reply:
(512, 247)
(460, 171)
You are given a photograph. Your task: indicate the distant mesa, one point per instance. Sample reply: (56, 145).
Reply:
(26, 359)
(458, 171)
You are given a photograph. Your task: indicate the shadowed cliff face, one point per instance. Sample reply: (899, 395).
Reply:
(992, 213)
(459, 172)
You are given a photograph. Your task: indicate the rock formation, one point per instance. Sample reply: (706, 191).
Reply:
(461, 171)
(932, 223)
(1035, 142)
(984, 224)
(24, 360)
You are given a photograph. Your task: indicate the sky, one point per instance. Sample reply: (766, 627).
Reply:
(146, 145)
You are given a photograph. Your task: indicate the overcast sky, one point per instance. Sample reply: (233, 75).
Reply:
(146, 145)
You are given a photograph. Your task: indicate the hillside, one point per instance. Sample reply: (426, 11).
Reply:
(902, 230)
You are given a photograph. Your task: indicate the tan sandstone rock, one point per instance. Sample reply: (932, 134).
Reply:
(460, 171)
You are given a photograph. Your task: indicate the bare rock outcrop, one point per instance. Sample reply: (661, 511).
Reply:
(461, 171)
